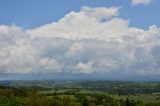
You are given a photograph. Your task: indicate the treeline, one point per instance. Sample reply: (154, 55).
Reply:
(31, 97)
(122, 87)
(112, 87)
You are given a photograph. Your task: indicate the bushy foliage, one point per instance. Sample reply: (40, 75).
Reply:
(32, 96)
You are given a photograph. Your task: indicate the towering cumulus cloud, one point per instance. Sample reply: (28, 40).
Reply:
(93, 41)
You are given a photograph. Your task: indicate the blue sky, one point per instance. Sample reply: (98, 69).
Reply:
(75, 39)
(33, 13)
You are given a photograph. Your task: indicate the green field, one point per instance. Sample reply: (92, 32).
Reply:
(79, 93)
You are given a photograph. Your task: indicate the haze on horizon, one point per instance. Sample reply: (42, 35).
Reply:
(112, 40)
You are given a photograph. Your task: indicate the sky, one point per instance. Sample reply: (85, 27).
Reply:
(80, 39)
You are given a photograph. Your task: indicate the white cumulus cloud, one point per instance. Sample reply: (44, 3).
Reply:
(86, 25)
(93, 40)
(144, 2)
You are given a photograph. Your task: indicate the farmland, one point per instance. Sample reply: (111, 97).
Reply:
(79, 93)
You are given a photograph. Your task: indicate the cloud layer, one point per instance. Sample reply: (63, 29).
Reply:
(91, 41)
